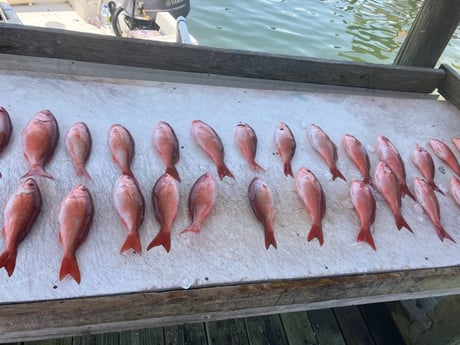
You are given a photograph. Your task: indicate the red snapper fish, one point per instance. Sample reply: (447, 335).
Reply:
(165, 141)
(75, 218)
(39, 139)
(78, 142)
(322, 144)
(424, 163)
(286, 145)
(358, 154)
(387, 184)
(201, 200)
(427, 198)
(6, 128)
(130, 206)
(21, 211)
(165, 201)
(121, 145)
(445, 154)
(207, 139)
(364, 203)
(246, 139)
(455, 189)
(312, 195)
(261, 200)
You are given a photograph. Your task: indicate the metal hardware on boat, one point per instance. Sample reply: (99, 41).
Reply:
(183, 36)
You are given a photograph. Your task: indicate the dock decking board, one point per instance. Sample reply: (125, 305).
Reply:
(381, 325)
(174, 335)
(325, 327)
(353, 326)
(298, 329)
(266, 330)
(227, 332)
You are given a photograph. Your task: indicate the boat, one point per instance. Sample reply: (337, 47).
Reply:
(158, 20)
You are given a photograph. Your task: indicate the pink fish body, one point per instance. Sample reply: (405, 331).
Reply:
(246, 139)
(286, 145)
(201, 200)
(21, 211)
(322, 144)
(207, 139)
(121, 145)
(39, 139)
(78, 142)
(427, 198)
(387, 184)
(165, 201)
(424, 163)
(358, 154)
(389, 154)
(455, 189)
(456, 142)
(364, 203)
(6, 128)
(261, 200)
(129, 203)
(314, 200)
(165, 141)
(444, 153)
(75, 218)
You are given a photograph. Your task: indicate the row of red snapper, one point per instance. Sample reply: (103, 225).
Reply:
(41, 135)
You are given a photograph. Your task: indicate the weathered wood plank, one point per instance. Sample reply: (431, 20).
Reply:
(152, 336)
(352, 325)
(449, 87)
(174, 335)
(227, 332)
(381, 325)
(430, 33)
(60, 44)
(325, 326)
(62, 341)
(297, 328)
(265, 330)
(195, 334)
(130, 337)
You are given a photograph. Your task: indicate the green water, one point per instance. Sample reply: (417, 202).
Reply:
(353, 30)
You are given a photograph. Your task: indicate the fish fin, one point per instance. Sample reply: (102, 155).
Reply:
(132, 242)
(69, 265)
(194, 227)
(405, 190)
(128, 172)
(316, 231)
(37, 170)
(442, 233)
(173, 172)
(336, 173)
(257, 168)
(288, 169)
(81, 171)
(223, 171)
(366, 236)
(436, 188)
(270, 239)
(163, 238)
(401, 223)
(8, 260)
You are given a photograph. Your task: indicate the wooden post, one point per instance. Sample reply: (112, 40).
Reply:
(432, 29)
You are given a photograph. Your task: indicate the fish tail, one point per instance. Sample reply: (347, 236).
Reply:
(270, 238)
(69, 265)
(194, 227)
(37, 170)
(223, 171)
(173, 172)
(288, 169)
(128, 172)
(8, 260)
(405, 190)
(401, 223)
(336, 173)
(163, 238)
(368, 180)
(81, 171)
(436, 188)
(257, 168)
(316, 231)
(442, 233)
(132, 242)
(366, 236)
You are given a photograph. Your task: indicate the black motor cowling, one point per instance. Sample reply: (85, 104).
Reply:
(175, 7)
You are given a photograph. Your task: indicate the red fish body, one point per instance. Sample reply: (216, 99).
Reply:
(387, 184)
(246, 139)
(455, 189)
(358, 154)
(75, 218)
(322, 144)
(165, 141)
(78, 142)
(261, 200)
(286, 145)
(6, 128)
(389, 154)
(424, 163)
(21, 211)
(129, 203)
(121, 145)
(165, 201)
(201, 201)
(207, 139)
(364, 203)
(39, 139)
(312, 195)
(427, 198)
(444, 153)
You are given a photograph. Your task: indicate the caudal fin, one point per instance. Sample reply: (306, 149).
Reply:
(37, 170)
(401, 223)
(257, 168)
(270, 239)
(8, 260)
(81, 171)
(69, 265)
(436, 188)
(443, 233)
(405, 190)
(173, 172)
(368, 180)
(223, 171)
(366, 236)
(194, 227)
(132, 242)
(336, 173)
(288, 169)
(316, 231)
(163, 238)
